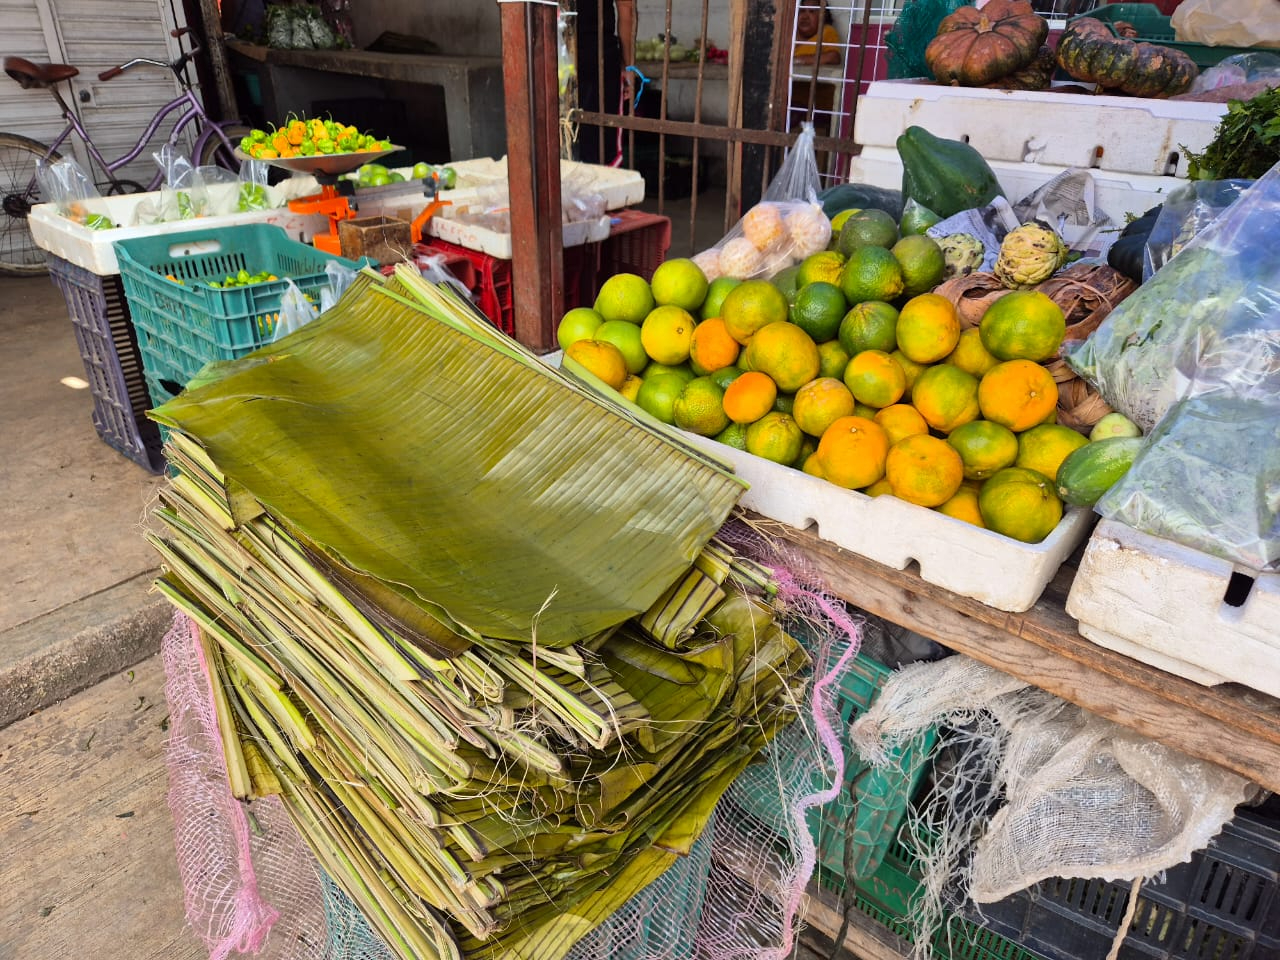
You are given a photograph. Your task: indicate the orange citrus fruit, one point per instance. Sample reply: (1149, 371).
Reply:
(749, 397)
(823, 266)
(901, 420)
(922, 263)
(852, 451)
(946, 397)
(600, 358)
(881, 488)
(984, 448)
(928, 328)
(1044, 447)
(734, 435)
(1017, 394)
(1021, 504)
(667, 334)
(910, 368)
(871, 273)
(963, 505)
(699, 408)
(1023, 325)
(875, 379)
(776, 437)
(869, 326)
(819, 403)
(970, 355)
(812, 467)
(712, 348)
(786, 353)
(631, 387)
(924, 470)
(751, 305)
(679, 282)
(832, 359)
(625, 296)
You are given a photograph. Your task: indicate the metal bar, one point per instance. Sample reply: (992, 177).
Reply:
(533, 170)
(737, 52)
(662, 111)
(709, 131)
(600, 58)
(697, 118)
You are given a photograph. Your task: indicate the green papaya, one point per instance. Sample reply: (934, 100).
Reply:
(946, 176)
(1090, 471)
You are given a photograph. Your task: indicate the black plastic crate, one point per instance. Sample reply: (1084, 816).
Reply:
(1222, 905)
(112, 362)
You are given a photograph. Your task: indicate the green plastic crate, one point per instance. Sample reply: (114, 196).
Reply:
(1154, 27)
(883, 793)
(183, 326)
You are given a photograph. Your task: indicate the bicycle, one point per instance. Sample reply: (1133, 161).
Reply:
(19, 190)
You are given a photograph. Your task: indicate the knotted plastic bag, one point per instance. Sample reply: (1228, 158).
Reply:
(786, 226)
(64, 184)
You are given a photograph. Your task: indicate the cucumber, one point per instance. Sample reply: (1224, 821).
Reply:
(1090, 471)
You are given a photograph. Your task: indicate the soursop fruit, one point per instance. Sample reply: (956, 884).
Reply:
(962, 253)
(1029, 255)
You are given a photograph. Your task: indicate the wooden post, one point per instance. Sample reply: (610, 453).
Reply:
(533, 170)
(759, 47)
(217, 51)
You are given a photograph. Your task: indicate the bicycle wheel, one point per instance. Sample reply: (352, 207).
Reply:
(18, 194)
(215, 154)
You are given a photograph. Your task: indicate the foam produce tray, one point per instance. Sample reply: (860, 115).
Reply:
(1165, 604)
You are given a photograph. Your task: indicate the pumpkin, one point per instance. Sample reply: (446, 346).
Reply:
(974, 47)
(1089, 51)
(1036, 75)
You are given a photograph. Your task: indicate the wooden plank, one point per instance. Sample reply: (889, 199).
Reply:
(89, 867)
(1231, 726)
(533, 170)
(864, 939)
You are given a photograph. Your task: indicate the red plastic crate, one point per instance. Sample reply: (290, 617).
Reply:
(492, 286)
(638, 243)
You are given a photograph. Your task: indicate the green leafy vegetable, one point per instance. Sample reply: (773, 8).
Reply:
(1246, 144)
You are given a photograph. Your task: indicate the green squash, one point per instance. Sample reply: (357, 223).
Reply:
(1090, 471)
(1090, 51)
(946, 176)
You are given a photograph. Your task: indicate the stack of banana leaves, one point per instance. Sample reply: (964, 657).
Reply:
(468, 617)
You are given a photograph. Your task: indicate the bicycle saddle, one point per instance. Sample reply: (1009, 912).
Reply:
(37, 74)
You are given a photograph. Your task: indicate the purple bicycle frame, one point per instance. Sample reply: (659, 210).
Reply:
(196, 112)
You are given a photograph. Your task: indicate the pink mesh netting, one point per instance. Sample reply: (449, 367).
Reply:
(253, 886)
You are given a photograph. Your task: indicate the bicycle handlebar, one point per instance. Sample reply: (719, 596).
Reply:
(108, 74)
(177, 66)
(182, 31)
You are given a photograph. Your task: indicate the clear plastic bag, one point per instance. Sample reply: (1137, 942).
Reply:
(1188, 210)
(253, 193)
(182, 195)
(296, 311)
(433, 270)
(786, 226)
(340, 277)
(1211, 305)
(65, 185)
(1209, 478)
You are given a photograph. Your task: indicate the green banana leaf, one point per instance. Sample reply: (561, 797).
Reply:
(459, 475)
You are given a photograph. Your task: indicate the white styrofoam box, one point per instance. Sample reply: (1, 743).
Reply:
(1162, 603)
(93, 250)
(1134, 134)
(994, 569)
(496, 244)
(620, 188)
(1115, 194)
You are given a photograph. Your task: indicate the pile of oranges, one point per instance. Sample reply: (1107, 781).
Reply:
(885, 398)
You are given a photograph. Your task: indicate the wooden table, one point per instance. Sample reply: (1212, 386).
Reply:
(1229, 725)
(472, 86)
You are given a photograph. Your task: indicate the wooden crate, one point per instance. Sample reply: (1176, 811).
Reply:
(384, 239)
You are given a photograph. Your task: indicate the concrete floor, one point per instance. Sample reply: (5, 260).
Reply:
(76, 569)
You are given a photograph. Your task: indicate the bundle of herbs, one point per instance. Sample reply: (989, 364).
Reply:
(1246, 143)
(498, 672)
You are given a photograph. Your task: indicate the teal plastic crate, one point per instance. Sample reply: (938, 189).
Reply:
(181, 326)
(883, 794)
(1155, 27)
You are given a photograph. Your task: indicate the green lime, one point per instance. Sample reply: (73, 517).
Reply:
(658, 395)
(818, 310)
(626, 337)
(726, 375)
(625, 296)
(716, 292)
(867, 228)
(872, 273)
(580, 323)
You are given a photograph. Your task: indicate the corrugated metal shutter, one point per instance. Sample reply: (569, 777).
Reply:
(93, 36)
